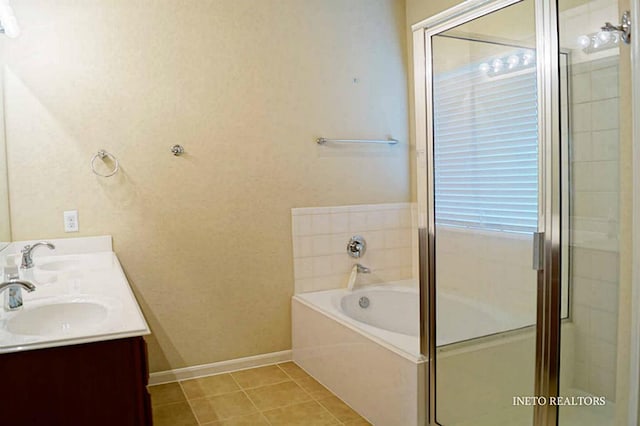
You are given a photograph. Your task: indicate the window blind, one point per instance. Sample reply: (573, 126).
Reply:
(486, 150)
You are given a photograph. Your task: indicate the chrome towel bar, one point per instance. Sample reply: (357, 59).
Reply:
(389, 141)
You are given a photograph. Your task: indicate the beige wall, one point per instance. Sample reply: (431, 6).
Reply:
(419, 10)
(5, 222)
(246, 86)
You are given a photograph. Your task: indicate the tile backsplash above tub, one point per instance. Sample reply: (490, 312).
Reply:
(321, 234)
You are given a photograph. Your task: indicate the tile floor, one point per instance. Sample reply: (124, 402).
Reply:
(281, 394)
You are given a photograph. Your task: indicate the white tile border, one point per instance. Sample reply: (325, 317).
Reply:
(320, 236)
(227, 366)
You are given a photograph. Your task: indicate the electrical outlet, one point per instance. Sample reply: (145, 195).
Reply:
(71, 221)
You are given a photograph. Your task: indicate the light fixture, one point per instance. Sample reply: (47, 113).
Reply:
(518, 61)
(598, 41)
(528, 58)
(584, 41)
(623, 30)
(604, 36)
(8, 22)
(608, 37)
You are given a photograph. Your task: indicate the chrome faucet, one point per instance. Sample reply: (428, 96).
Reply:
(357, 269)
(27, 253)
(362, 269)
(13, 299)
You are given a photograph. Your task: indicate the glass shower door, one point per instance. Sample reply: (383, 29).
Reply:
(594, 370)
(485, 189)
(512, 150)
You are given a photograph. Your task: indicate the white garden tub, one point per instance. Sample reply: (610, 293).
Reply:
(364, 346)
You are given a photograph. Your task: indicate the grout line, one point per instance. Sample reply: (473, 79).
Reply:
(261, 386)
(250, 400)
(261, 412)
(219, 373)
(275, 364)
(321, 399)
(313, 398)
(229, 373)
(309, 376)
(189, 403)
(286, 405)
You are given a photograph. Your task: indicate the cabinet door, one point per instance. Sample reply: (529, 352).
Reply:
(102, 383)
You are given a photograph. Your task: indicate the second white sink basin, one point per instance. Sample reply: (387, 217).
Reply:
(59, 265)
(58, 319)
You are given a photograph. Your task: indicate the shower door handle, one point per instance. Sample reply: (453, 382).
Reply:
(538, 246)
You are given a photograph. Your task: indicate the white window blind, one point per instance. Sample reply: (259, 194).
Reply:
(486, 150)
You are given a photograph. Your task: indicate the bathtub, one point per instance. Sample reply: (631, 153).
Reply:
(364, 346)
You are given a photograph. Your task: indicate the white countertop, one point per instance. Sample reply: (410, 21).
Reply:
(94, 279)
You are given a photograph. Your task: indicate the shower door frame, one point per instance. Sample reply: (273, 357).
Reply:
(548, 317)
(634, 357)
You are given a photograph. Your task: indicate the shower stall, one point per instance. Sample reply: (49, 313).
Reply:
(524, 147)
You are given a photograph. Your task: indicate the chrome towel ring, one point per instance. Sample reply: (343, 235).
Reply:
(102, 154)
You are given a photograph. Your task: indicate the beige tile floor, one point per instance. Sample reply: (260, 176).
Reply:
(281, 394)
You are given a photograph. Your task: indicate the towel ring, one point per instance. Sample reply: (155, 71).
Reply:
(101, 155)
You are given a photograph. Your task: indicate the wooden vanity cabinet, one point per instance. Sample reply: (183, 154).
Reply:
(91, 384)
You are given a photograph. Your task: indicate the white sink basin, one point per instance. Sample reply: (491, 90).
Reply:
(59, 265)
(79, 298)
(58, 319)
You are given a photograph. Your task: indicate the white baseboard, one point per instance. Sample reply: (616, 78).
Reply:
(218, 367)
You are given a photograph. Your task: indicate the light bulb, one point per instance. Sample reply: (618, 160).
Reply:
(528, 58)
(8, 20)
(604, 36)
(513, 60)
(584, 41)
(497, 64)
(11, 28)
(484, 67)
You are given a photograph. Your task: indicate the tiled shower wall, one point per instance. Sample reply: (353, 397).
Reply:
(320, 237)
(594, 222)
(490, 268)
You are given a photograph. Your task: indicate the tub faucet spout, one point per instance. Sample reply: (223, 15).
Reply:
(357, 268)
(362, 269)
